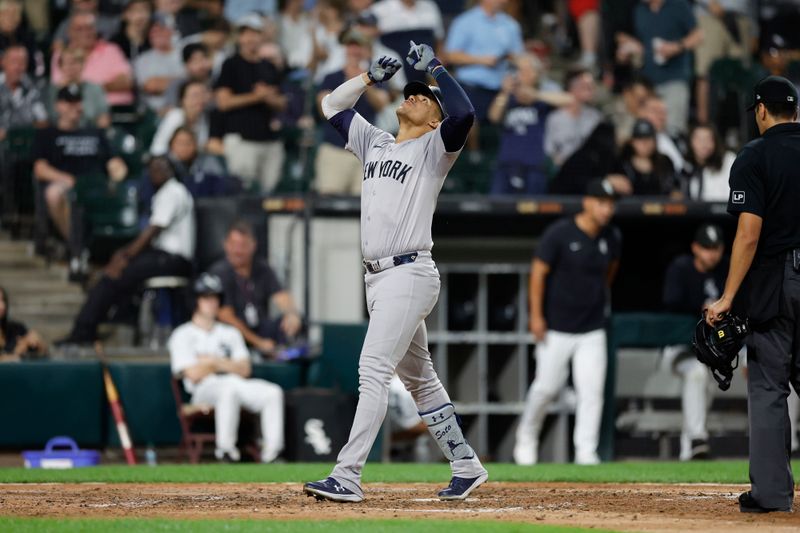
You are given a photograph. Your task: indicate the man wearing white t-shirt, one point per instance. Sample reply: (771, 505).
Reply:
(214, 363)
(164, 248)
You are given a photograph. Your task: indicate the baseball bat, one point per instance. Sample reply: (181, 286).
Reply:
(112, 395)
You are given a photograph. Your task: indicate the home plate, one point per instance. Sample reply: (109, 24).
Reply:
(437, 500)
(458, 510)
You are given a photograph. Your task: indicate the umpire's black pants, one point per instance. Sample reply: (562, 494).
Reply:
(773, 360)
(149, 263)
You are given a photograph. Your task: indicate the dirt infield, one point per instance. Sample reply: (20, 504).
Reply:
(620, 507)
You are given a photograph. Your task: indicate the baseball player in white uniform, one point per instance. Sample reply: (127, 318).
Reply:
(214, 362)
(402, 179)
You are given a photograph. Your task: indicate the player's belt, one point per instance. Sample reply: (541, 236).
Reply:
(388, 262)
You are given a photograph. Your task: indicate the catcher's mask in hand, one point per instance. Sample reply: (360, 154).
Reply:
(718, 346)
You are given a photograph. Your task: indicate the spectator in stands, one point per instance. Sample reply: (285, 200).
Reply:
(666, 33)
(164, 248)
(62, 154)
(105, 63)
(401, 21)
(250, 287)
(654, 110)
(197, 66)
(216, 39)
(16, 340)
(624, 110)
(480, 43)
(236, 9)
(270, 48)
(132, 37)
(296, 28)
(12, 32)
(708, 166)
(214, 363)
(95, 107)
(203, 174)
(192, 114)
(566, 129)
(249, 97)
(106, 25)
(522, 108)
(328, 51)
(690, 284)
(337, 170)
(178, 16)
(21, 103)
(727, 33)
(157, 68)
(650, 172)
(586, 14)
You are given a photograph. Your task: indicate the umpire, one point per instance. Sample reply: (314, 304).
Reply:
(764, 284)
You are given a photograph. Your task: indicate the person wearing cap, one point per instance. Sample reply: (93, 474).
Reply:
(336, 170)
(691, 282)
(403, 175)
(159, 67)
(763, 284)
(248, 95)
(165, 247)
(649, 172)
(574, 265)
(214, 363)
(62, 154)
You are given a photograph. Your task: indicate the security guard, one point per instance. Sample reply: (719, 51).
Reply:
(764, 284)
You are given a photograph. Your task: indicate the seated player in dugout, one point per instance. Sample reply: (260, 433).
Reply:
(691, 283)
(250, 288)
(214, 363)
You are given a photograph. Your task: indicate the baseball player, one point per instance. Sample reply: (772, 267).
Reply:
(402, 179)
(691, 282)
(215, 365)
(575, 262)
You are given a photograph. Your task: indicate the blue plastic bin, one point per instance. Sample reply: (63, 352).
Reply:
(60, 452)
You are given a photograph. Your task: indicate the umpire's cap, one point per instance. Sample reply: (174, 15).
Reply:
(773, 90)
(431, 91)
(207, 284)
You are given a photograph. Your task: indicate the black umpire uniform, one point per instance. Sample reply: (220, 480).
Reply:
(765, 183)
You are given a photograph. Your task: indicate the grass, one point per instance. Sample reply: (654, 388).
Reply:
(620, 472)
(44, 525)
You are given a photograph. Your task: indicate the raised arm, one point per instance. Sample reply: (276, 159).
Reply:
(461, 114)
(337, 107)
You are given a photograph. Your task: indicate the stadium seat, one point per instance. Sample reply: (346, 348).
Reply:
(16, 167)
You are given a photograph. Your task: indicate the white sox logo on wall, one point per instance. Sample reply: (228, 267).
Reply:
(737, 197)
(316, 436)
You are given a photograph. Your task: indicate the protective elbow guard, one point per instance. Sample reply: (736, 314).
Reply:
(445, 427)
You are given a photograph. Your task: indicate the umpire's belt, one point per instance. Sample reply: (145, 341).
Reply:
(383, 263)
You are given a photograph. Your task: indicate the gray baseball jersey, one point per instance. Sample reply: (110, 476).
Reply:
(400, 188)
